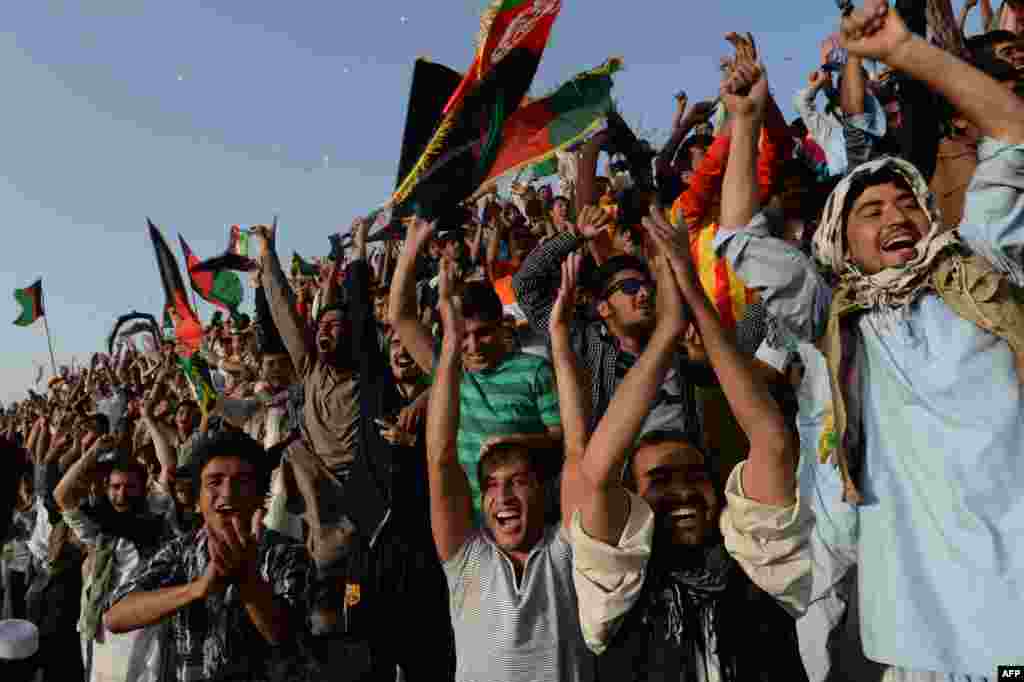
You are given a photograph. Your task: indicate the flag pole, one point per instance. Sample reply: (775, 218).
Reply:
(49, 342)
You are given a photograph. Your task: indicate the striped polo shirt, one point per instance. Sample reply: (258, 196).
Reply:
(516, 632)
(517, 396)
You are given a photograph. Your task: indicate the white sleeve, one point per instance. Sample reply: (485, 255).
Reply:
(771, 544)
(609, 579)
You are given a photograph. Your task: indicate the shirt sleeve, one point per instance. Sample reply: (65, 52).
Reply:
(87, 530)
(771, 544)
(993, 223)
(795, 296)
(817, 123)
(609, 579)
(163, 569)
(547, 396)
(462, 572)
(287, 569)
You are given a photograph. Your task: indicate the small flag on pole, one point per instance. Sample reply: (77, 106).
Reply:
(239, 242)
(31, 301)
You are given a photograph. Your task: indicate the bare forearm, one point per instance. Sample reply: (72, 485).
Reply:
(740, 187)
(851, 94)
(282, 309)
(573, 402)
(996, 110)
(404, 317)
(770, 474)
(614, 437)
(67, 494)
(141, 609)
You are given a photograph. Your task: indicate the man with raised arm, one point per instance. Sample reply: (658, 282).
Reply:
(672, 586)
(914, 407)
(513, 606)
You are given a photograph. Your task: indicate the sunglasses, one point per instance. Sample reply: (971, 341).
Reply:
(630, 287)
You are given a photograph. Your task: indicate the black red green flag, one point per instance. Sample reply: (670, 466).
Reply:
(461, 152)
(187, 328)
(538, 130)
(31, 301)
(217, 285)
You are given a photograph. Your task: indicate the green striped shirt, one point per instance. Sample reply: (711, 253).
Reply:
(517, 396)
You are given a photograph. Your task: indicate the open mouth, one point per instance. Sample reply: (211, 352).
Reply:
(687, 516)
(509, 520)
(403, 363)
(900, 242)
(323, 343)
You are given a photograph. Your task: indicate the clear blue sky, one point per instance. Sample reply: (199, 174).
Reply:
(204, 114)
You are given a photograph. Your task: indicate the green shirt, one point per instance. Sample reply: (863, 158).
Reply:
(517, 396)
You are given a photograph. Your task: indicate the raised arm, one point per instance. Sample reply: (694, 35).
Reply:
(165, 454)
(70, 490)
(965, 11)
(573, 400)
(878, 32)
(604, 509)
(451, 505)
(415, 335)
(536, 283)
(280, 296)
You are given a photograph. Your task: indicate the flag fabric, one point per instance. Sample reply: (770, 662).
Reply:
(238, 241)
(534, 134)
(461, 152)
(197, 373)
(303, 268)
(187, 328)
(31, 301)
(221, 287)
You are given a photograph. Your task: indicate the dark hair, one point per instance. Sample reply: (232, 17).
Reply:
(102, 422)
(985, 42)
(659, 437)
(129, 465)
(481, 302)
(604, 275)
(543, 462)
(883, 176)
(211, 445)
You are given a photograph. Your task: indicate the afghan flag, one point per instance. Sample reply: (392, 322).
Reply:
(221, 287)
(536, 132)
(238, 241)
(187, 328)
(462, 151)
(303, 268)
(197, 373)
(31, 301)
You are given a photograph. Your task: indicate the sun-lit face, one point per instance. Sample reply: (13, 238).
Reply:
(631, 302)
(483, 346)
(672, 477)
(403, 367)
(329, 332)
(124, 489)
(560, 210)
(229, 488)
(884, 226)
(277, 370)
(513, 504)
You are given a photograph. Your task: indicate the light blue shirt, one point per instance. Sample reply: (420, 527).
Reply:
(940, 538)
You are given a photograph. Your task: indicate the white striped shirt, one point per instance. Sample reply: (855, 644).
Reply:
(509, 632)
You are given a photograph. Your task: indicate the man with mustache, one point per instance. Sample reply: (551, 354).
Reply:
(912, 395)
(671, 586)
(119, 532)
(624, 295)
(234, 597)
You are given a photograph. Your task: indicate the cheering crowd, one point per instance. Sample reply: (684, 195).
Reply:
(745, 407)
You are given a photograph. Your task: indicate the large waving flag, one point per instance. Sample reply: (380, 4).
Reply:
(221, 287)
(31, 301)
(461, 152)
(187, 328)
(537, 131)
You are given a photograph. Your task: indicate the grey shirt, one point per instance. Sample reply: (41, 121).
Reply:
(516, 632)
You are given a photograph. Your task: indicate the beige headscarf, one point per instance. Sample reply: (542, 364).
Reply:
(893, 287)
